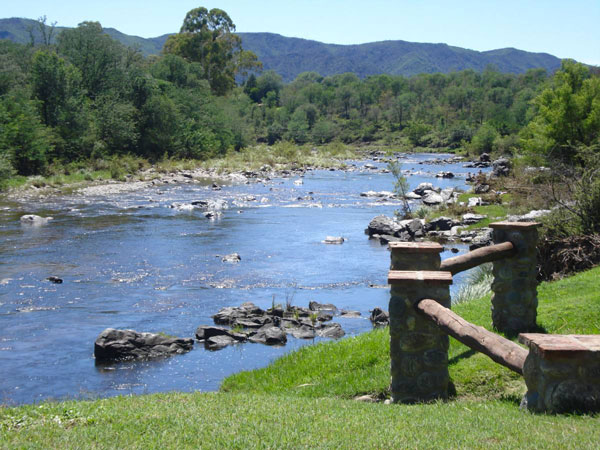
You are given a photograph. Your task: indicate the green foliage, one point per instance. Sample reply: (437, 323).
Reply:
(24, 141)
(401, 188)
(568, 115)
(99, 58)
(483, 140)
(207, 37)
(576, 189)
(416, 131)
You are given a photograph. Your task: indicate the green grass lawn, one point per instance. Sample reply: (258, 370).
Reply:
(304, 400)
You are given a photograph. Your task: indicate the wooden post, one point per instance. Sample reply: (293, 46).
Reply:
(514, 303)
(418, 348)
(499, 349)
(477, 257)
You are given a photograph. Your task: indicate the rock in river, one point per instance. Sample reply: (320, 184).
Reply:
(32, 219)
(334, 240)
(315, 306)
(233, 258)
(114, 344)
(269, 335)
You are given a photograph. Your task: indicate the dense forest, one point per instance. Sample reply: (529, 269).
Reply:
(88, 97)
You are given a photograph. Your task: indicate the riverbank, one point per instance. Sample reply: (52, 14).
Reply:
(131, 173)
(298, 403)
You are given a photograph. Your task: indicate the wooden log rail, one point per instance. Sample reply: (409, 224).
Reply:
(478, 257)
(499, 349)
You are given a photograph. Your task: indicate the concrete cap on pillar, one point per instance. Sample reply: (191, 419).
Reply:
(514, 225)
(400, 277)
(415, 247)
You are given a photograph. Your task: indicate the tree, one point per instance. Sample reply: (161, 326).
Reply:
(207, 37)
(97, 56)
(52, 80)
(24, 141)
(568, 115)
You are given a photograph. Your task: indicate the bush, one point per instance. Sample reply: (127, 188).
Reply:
(6, 170)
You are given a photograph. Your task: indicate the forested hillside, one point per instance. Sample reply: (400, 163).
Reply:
(87, 97)
(291, 56)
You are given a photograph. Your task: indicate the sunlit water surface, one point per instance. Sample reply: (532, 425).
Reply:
(130, 261)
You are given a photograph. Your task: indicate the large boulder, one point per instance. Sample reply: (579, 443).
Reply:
(302, 332)
(331, 330)
(501, 167)
(470, 219)
(114, 344)
(383, 225)
(229, 314)
(379, 317)
(219, 342)
(421, 188)
(432, 198)
(482, 239)
(441, 224)
(205, 332)
(315, 306)
(269, 335)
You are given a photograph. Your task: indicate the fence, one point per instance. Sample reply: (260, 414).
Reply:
(421, 320)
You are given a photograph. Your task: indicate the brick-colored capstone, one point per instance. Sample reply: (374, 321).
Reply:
(562, 373)
(514, 302)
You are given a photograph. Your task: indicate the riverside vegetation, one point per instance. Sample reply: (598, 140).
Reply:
(306, 399)
(84, 101)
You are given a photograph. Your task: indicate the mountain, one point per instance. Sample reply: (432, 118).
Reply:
(292, 56)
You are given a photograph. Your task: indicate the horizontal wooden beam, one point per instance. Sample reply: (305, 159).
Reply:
(397, 277)
(477, 257)
(499, 349)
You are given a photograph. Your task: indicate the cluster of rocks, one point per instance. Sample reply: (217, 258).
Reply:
(431, 195)
(114, 344)
(250, 323)
(389, 229)
(246, 323)
(437, 161)
(212, 208)
(484, 161)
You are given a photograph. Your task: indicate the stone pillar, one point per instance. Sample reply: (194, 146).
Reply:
(514, 302)
(415, 255)
(562, 373)
(418, 348)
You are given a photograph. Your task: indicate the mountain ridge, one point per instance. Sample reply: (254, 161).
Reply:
(290, 56)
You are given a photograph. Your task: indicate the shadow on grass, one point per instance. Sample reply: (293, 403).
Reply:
(536, 329)
(463, 355)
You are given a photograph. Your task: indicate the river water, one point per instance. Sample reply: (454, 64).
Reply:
(130, 261)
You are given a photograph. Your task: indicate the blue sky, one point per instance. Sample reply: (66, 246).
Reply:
(567, 29)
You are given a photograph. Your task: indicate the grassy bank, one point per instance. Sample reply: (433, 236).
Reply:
(304, 400)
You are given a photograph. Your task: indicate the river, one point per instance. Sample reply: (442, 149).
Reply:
(130, 261)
